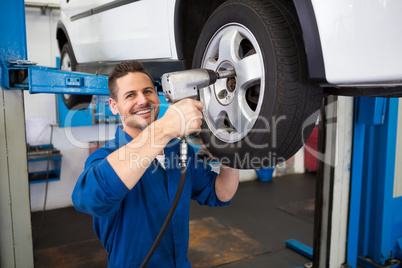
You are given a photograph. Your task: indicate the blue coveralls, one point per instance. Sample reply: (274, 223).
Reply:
(127, 222)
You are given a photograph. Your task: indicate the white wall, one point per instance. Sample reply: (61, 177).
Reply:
(41, 111)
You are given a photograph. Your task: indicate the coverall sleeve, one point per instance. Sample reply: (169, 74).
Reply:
(203, 183)
(98, 191)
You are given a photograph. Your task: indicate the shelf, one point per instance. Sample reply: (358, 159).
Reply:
(37, 177)
(37, 172)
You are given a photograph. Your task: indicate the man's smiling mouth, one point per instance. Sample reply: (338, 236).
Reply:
(143, 112)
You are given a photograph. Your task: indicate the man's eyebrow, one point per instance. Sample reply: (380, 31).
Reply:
(129, 92)
(153, 88)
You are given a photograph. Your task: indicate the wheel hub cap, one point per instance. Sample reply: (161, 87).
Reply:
(232, 105)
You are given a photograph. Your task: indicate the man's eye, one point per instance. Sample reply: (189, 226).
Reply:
(129, 96)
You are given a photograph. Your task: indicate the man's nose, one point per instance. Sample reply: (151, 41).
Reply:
(141, 99)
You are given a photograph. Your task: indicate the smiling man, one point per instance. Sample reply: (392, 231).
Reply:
(129, 184)
(138, 106)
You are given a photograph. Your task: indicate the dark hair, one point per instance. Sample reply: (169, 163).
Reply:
(123, 69)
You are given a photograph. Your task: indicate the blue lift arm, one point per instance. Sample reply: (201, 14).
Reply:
(38, 79)
(16, 72)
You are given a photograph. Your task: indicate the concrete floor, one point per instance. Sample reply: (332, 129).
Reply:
(266, 212)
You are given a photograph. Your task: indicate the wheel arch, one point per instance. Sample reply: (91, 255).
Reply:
(61, 35)
(63, 38)
(190, 18)
(311, 39)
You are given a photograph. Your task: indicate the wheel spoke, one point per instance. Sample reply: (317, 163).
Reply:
(239, 114)
(249, 71)
(214, 109)
(229, 46)
(211, 64)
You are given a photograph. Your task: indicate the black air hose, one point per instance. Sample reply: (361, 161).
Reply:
(168, 217)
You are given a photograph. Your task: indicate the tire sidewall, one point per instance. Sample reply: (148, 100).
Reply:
(66, 49)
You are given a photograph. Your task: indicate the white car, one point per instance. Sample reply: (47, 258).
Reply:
(286, 54)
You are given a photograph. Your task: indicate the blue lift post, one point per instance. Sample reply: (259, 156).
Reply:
(15, 225)
(375, 220)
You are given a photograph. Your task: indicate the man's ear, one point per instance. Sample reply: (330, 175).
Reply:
(113, 106)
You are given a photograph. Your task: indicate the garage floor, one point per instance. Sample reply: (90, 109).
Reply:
(252, 230)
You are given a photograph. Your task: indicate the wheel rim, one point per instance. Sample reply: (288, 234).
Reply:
(65, 65)
(232, 105)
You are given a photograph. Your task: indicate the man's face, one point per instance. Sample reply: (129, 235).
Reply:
(137, 101)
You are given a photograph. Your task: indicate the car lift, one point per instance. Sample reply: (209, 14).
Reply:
(358, 218)
(17, 74)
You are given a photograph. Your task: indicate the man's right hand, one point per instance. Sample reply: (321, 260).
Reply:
(183, 118)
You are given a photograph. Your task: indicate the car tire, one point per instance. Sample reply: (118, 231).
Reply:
(68, 63)
(257, 118)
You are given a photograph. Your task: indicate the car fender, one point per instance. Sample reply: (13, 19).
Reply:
(359, 42)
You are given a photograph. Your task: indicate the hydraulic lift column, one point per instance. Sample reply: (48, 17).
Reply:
(18, 74)
(15, 212)
(333, 182)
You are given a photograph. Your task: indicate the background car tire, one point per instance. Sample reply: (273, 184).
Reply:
(68, 63)
(257, 118)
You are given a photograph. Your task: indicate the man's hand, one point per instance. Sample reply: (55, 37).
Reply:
(183, 118)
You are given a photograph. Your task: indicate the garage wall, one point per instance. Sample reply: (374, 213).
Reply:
(41, 112)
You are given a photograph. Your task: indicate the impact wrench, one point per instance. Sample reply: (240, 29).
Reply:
(177, 86)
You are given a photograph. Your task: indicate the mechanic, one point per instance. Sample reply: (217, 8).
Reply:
(129, 184)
